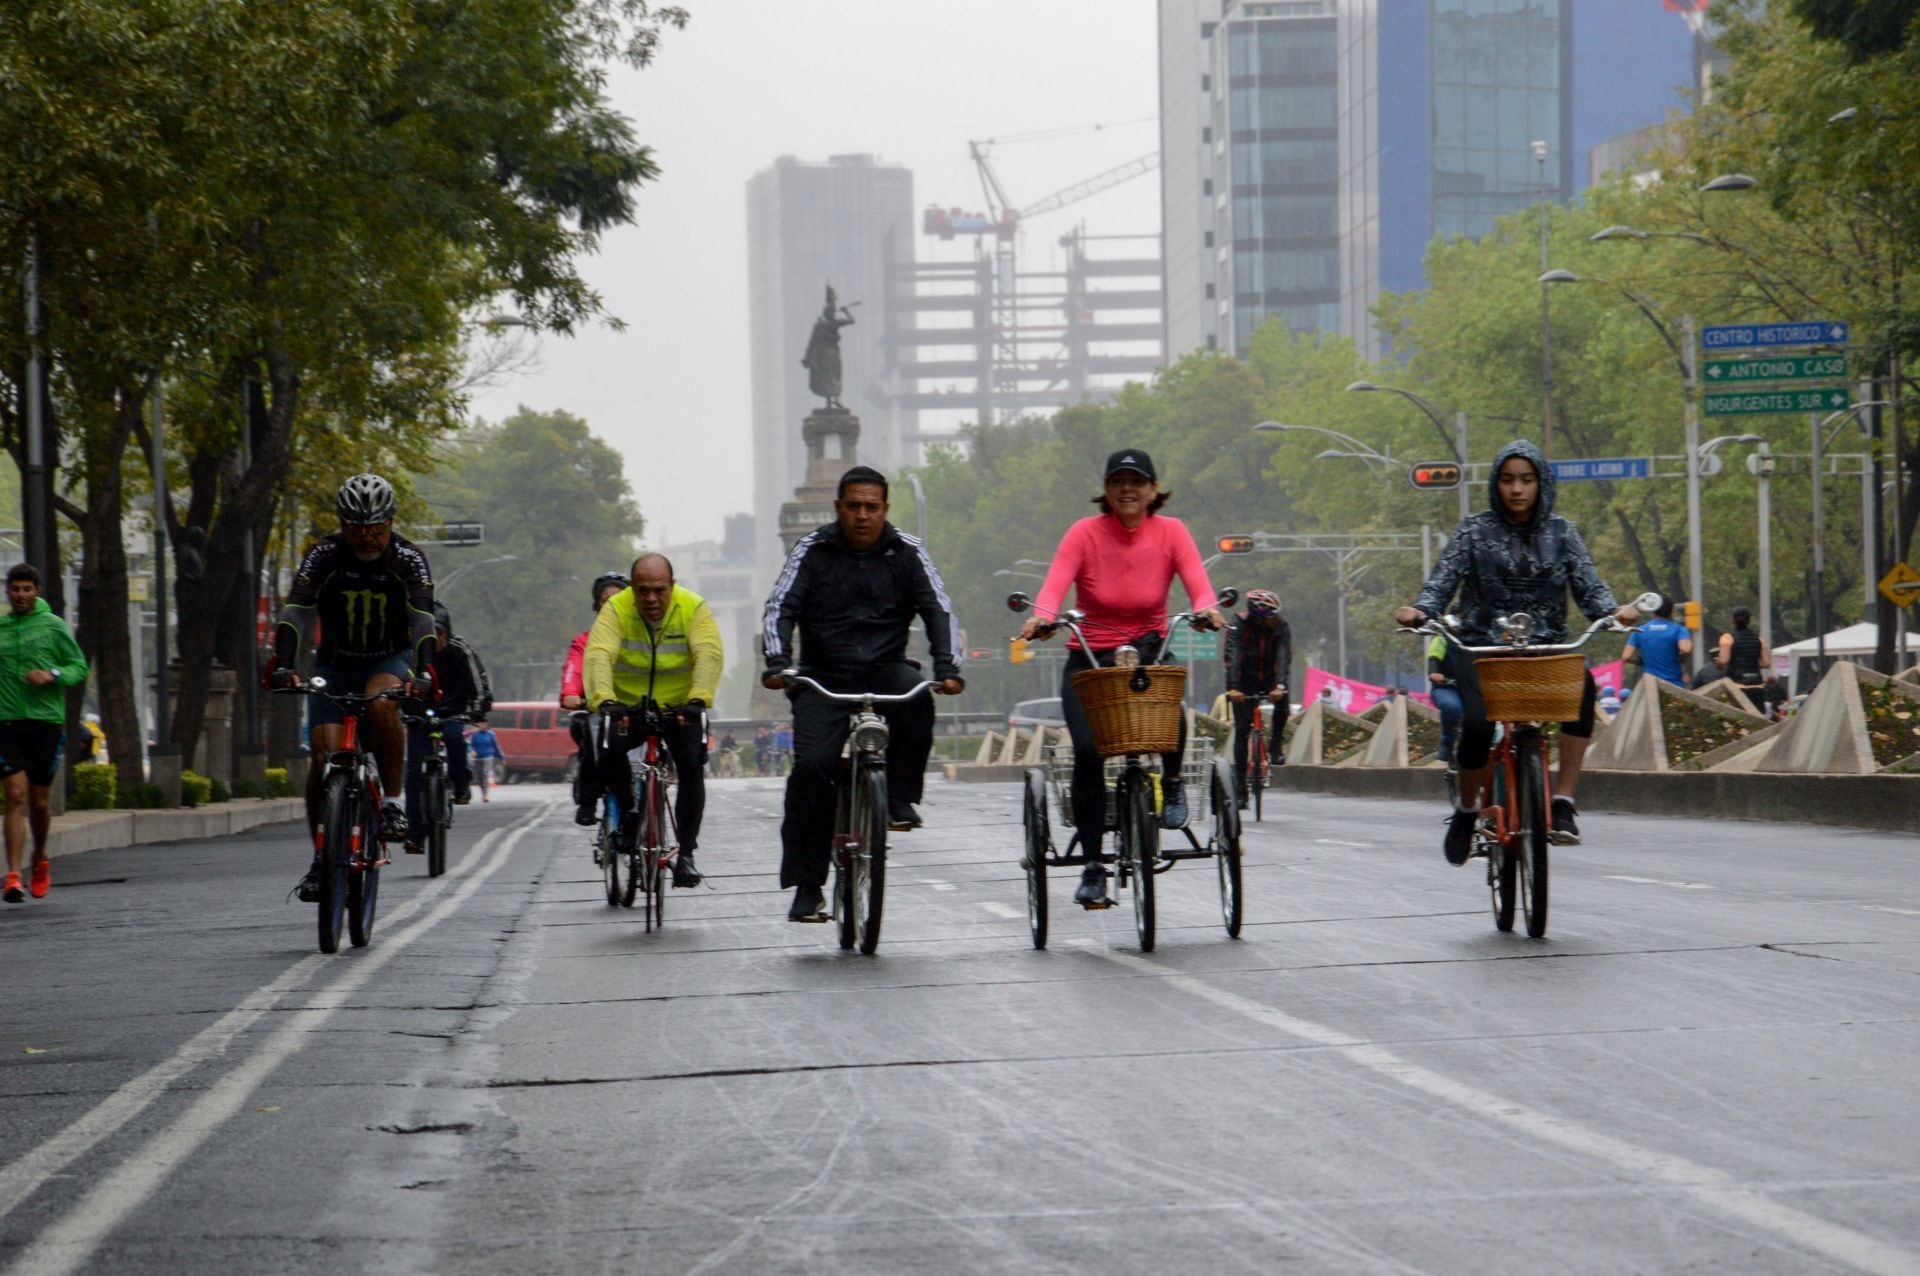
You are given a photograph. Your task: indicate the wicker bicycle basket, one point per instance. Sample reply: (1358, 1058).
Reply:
(1129, 721)
(1532, 688)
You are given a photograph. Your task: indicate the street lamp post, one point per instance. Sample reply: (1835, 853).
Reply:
(464, 568)
(1546, 326)
(1761, 463)
(919, 505)
(1456, 444)
(1819, 524)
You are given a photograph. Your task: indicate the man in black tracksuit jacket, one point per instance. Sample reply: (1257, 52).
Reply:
(852, 590)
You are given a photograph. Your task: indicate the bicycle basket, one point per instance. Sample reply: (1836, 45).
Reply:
(1128, 721)
(1532, 688)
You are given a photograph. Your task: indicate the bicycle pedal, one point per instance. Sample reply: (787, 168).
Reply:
(1098, 905)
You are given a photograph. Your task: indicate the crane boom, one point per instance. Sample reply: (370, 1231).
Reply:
(1093, 185)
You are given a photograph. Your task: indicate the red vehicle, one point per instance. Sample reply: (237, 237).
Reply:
(535, 736)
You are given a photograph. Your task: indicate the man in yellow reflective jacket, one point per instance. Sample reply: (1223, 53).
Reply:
(656, 640)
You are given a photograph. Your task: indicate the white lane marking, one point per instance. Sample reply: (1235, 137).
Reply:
(998, 909)
(1882, 908)
(1658, 881)
(1714, 1188)
(1334, 841)
(20, 1179)
(68, 1244)
(943, 886)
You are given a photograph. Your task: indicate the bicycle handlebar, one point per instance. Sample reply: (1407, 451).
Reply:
(796, 678)
(1072, 618)
(1604, 624)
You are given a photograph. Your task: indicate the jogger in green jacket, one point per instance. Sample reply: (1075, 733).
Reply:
(39, 660)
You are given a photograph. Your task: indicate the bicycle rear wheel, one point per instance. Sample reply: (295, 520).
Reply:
(870, 858)
(1139, 847)
(439, 809)
(336, 848)
(1257, 773)
(363, 875)
(1039, 842)
(1225, 844)
(1533, 834)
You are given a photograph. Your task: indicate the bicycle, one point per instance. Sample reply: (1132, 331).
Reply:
(1131, 802)
(860, 812)
(1522, 685)
(1257, 760)
(436, 796)
(347, 845)
(646, 843)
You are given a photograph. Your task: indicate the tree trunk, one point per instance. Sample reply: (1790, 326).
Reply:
(245, 507)
(103, 630)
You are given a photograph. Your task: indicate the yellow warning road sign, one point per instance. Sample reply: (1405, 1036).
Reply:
(1901, 585)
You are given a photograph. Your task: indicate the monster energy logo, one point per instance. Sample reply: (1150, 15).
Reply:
(362, 629)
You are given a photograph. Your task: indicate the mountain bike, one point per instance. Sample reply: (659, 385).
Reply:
(436, 794)
(1257, 757)
(636, 852)
(1155, 690)
(347, 845)
(860, 812)
(1523, 686)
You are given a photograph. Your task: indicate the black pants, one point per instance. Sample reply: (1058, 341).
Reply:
(688, 746)
(1243, 740)
(587, 786)
(1476, 733)
(819, 733)
(1089, 768)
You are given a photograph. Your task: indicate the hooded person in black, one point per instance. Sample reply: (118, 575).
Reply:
(1516, 556)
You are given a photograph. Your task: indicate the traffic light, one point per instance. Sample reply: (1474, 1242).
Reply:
(1435, 476)
(1018, 653)
(1691, 612)
(1236, 544)
(982, 653)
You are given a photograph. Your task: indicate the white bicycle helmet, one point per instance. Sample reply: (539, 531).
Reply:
(366, 498)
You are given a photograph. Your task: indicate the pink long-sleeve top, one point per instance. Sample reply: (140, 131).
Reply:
(572, 675)
(1121, 574)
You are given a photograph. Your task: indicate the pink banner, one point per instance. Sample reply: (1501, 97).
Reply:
(1348, 695)
(1610, 675)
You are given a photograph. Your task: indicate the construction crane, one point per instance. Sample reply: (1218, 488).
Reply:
(1001, 219)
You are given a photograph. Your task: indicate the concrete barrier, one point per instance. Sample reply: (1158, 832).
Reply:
(1890, 802)
(81, 831)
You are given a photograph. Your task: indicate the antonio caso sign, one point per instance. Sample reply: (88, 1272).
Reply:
(1802, 367)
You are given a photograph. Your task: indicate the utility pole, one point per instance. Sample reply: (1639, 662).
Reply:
(1546, 324)
(33, 493)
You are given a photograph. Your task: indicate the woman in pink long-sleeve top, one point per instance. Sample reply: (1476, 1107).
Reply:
(1120, 564)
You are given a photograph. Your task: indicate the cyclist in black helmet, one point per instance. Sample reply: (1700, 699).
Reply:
(368, 593)
(587, 787)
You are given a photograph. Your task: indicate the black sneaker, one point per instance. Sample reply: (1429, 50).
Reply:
(308, 890)
(1565, 831)
(587, 814)
(393, 821)
(1093, 888)
(462, 794)
(1460, 826)
(901, 817)
(1173, 805)
(808, 905)
(684, 873)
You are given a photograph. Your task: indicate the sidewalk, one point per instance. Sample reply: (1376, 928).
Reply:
(80, 831)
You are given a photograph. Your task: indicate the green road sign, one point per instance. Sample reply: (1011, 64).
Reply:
(1788, 367)
(1186, 645)
(1774, 402)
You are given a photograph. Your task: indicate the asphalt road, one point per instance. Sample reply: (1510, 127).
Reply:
(1708, 1065)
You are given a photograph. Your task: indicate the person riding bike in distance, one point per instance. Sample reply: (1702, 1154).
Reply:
(852, 589)
(1120, 564)
(573, 696)
(1518, 556)
(656, 640)
(1258, 655)
(368, 591)
(461, 685)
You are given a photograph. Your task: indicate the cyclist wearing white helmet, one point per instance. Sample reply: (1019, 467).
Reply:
(1259, 654)
(368, 592)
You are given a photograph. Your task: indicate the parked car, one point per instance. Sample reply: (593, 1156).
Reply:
(535, 735)
(1037, 713)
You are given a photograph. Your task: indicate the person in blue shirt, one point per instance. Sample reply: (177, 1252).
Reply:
(485, 748)
(1661, 646)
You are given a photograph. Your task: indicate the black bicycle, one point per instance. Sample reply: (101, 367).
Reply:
(636, 854)
(348, 847)
(436, 793)
(860, 812)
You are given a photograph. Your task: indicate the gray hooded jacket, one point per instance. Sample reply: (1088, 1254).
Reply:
(1500, 566)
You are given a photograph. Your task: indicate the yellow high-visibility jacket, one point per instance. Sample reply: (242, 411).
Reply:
(677, 661)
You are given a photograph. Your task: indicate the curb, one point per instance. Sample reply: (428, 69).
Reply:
(1886, 802)
(81, 831)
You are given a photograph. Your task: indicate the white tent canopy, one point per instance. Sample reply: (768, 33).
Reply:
(1852, 643)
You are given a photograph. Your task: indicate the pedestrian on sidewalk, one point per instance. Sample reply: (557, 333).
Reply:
(484, 746)
(1744, 657)
(39, 660)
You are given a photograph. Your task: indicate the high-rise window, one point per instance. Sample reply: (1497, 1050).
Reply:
(1496, 90)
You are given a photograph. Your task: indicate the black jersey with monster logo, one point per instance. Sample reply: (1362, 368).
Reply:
(366, 611)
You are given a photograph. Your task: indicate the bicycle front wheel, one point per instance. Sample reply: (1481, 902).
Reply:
(440, 814)
(1533, 834)
(1226, 843)
(363, 875)
(1257, 773)
(655, 853)
(613, 859)
(1039, 842)
(336, 849)
(1139, 847)
(869, 877)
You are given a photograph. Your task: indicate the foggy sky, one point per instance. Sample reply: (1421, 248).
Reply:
(909, 81)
